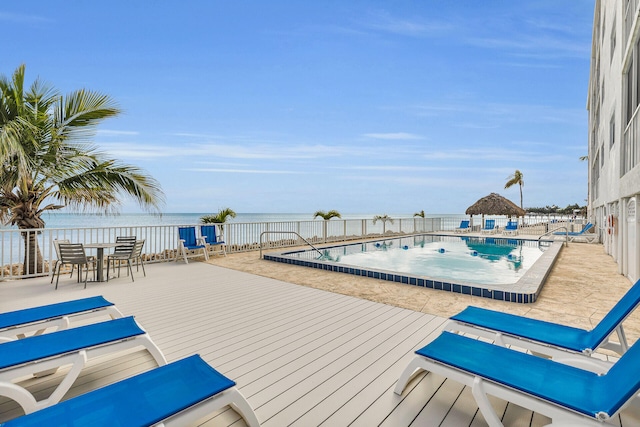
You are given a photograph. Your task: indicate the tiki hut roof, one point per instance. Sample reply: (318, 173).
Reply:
(495, 204)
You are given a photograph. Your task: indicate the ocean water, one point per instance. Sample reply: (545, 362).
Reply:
(69, 220)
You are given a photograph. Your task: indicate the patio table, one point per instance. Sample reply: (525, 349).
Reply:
(100, 257)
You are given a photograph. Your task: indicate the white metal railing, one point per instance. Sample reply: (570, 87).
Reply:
(35, 250)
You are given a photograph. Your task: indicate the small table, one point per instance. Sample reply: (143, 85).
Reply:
(100, 262)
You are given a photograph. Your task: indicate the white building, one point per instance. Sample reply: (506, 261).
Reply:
(614, 131)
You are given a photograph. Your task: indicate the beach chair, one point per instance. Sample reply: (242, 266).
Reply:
(464, 227)
(489, 226)
(48, 318)
(579, 236)
(557, 341)
(44, 354)
(177, 394)
(568, 395)
(511, 228)
(189, 242)
(211, 239)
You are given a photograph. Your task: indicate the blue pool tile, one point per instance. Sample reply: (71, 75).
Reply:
(476, 292)
(376, 275)
(466, 290)
(457, 288)
(421, 282)
(486, 293)
(383, 276)
(405, 280)
(446, 287)
(437, 285)
(429, 284)
(499, 295)
(413, 281)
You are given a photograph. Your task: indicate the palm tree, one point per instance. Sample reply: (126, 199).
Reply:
(384, 218)
(48, 162)
(516, 178)
(220, 217)
(327, 215)
(419, 214)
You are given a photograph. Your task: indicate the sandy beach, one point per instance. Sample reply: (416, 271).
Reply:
(581, 288)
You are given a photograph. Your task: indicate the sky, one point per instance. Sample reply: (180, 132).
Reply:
(286, 106)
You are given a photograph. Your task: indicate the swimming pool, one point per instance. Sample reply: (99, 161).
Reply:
(492, 267)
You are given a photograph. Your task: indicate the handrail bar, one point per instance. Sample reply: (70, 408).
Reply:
(566, 234)
(287, 232)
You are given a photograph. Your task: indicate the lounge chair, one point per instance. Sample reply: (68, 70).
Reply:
(189, 242)
(511, 228)
(489, 226)
(177, 394)
(211, 239)
(582, 235)
(568, 395)
(554, 340)
(464, 227)
(44, 354)
(36, 320)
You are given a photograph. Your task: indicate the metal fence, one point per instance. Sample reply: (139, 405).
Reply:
(35, 248)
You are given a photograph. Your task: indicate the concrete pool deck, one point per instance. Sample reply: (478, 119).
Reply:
(580, 289)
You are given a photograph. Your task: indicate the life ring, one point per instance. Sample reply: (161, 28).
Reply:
(608, 230)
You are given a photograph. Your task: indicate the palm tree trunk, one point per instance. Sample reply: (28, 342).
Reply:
(33, 262)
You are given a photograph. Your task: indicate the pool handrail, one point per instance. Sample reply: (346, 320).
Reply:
(287, 232)
(566, 234)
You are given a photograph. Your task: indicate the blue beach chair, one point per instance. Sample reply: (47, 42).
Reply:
(552, 339)
(464, 227)
(44, 354)
(566, 394)
(211, 239)
(179, 393)
(573, 236)
(189, 242)
(37, 320)
(511, 228)
(489, 226)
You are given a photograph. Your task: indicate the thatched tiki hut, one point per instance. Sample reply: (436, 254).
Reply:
(494, 204)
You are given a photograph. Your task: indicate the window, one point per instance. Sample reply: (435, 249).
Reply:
(601, 154)
(629, 89)
(612, 130)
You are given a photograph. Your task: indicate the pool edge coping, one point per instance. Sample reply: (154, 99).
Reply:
(525, 291)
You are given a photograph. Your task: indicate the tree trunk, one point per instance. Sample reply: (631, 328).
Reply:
(33, 262)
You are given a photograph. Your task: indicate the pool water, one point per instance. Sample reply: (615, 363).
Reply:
(475, 260)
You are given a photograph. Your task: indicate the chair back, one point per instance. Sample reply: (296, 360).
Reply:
(616, 315)
(209, 232)
(125, 245)
(587, 226)
(188, 234)
(464, 224)
(490, 224)
(72, 253)
(512, 225)
(56, 244)
(137, 249)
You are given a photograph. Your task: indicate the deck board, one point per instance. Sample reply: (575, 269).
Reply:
(301, 356)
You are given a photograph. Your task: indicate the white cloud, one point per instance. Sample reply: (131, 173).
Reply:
(111, 132)
(250, 171)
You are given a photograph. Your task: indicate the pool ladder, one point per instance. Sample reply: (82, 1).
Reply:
(288, 232)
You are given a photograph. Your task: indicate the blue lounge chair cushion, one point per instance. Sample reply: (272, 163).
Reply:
(552, 333)
(586, 228)
(582, 391)
(143, 400)
(536, 330)
(17, 352)
(511, 225)
(37, 314)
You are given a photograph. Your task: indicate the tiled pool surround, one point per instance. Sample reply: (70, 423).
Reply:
(525, 290)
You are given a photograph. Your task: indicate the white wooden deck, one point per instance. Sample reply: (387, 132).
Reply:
(301, 356)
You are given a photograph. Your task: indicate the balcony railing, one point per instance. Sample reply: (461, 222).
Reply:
(35, 249)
